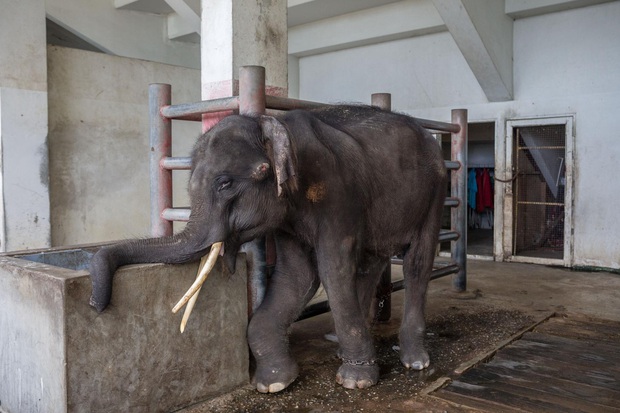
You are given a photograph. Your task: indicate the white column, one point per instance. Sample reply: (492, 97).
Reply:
(24, 180)
(237, 33)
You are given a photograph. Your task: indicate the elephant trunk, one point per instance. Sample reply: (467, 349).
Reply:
(188, 245)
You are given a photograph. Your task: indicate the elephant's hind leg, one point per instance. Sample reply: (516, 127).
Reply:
(417, 268)
(292, 285)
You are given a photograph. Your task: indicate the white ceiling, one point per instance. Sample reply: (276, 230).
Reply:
(307, 11)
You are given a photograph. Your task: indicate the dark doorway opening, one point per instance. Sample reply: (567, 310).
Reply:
(481, 188)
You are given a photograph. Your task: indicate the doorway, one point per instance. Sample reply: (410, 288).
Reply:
(480, 189)
(540, 210)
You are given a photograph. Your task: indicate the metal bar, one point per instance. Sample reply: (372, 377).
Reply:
(323, 306)
(314, 309)
(540, 203)
(452, 165)
(381, 100)
(452, 202)
(160, 137)
(439, 126)
(282, 103)
(252, 90)
(448, 236)
(383, 295)
(176, 214)
(459, 190)
(252, 102)
(194, 111)
(436, 273)
(522, 148)
(517, 176)
(447, 270)
(177, 163)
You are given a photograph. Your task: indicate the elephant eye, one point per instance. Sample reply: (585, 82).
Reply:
(224, 185)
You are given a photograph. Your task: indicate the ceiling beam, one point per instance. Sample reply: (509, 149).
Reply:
(483, 33)
(184, 23)
(379, 24)
(518, 9)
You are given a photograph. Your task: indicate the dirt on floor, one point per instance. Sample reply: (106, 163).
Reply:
(502, 299)
(453, 337)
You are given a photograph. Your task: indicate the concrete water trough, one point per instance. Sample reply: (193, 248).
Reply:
(57, 354)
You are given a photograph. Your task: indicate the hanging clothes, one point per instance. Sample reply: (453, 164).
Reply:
(472, 188)
(484, 197)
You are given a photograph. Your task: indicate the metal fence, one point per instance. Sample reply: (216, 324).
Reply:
(252, 100)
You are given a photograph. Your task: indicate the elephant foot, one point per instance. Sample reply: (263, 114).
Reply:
(415, 359)
(275, 377)
(357, 374)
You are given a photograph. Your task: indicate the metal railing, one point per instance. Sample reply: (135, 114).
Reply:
(253, 100)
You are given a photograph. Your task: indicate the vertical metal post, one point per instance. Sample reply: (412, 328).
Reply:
(383, 306)
(251, 90)
(381, 100)
(459, 190)
(252, 102)
(160, 136)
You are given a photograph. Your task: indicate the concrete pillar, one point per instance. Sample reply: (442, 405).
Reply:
(238, 33)
(24, 193)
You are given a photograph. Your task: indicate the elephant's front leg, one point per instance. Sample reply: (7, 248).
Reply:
(292, 285)
(337, 269)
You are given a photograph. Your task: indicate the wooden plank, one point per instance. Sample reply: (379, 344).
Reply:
(527, 395)
(476, 403)
(567, 358)
(564, 359)
(432, 404)
(486, 356)
(597, 323)
(562, 350)
(576, 393)
(531, 402)
(569, 343)
(597, 331)
(593, 377)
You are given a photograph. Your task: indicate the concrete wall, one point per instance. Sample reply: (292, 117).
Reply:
(577, 61)
(58, 355)
(420, 72)
(565, 63)
(122, 32)
(99, 145)
(24, 200)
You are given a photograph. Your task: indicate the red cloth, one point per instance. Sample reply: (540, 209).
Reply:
(484, 197)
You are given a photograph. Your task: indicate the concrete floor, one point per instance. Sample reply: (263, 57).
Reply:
(511, 295)
(535, 288)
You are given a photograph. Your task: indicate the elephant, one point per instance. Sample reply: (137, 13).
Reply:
(341, 189)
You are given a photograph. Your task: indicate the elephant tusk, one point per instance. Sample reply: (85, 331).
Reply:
(192, 301)
(206, 265)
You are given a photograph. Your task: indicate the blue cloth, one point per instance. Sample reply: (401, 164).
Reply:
(472, 188)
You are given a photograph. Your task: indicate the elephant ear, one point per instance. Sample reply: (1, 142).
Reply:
(280, 151)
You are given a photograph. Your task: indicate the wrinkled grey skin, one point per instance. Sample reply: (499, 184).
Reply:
(342, 189)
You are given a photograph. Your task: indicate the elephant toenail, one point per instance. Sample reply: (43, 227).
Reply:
(276, 387)
(349, 384)
(362, 384)
(417, 365)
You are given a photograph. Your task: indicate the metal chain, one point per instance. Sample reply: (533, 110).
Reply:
(505, 181)
(358, 362)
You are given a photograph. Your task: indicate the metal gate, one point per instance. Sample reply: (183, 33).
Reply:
(541, 165)
(252, 99)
